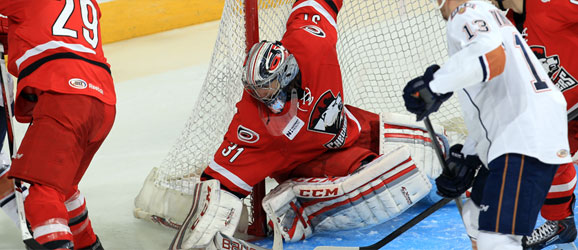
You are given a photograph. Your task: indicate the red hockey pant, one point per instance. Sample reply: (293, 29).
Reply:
(66, 132)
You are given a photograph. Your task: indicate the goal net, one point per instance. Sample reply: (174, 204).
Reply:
(382, 45)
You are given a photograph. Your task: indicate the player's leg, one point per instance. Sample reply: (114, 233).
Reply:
(513, 194)
(50, 158)
(79, 222)
(48, 218)
(102, 119)
(558, 210)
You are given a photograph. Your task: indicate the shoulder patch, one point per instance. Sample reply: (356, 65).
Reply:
(314, 30)
(462, 8)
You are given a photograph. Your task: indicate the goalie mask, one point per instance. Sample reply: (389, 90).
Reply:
(267, 72)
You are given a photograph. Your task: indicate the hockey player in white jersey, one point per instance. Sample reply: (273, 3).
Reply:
(515, 116)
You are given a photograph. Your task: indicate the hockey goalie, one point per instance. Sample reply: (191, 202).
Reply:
(340, 167)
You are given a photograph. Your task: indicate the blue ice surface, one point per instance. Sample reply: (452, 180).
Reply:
(443, 229)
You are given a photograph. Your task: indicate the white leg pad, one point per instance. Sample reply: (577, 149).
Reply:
(377, 192)
(226, 242)
(214, 210)
(399, 129)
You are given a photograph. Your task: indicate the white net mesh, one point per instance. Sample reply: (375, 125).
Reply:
(382, 45)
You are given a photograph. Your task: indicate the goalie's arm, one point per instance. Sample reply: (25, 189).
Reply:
(480, 58)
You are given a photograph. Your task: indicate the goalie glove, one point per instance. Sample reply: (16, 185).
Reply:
(462, 170)
(419, 98)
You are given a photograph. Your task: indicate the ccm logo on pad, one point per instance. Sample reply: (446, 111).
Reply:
(323, 192)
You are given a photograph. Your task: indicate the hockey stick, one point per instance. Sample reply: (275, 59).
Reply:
(27, 238)
(440, 155)
(390, 237)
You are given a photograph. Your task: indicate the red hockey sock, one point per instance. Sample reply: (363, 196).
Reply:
(559, 202)
(48, 218)
(79, 222)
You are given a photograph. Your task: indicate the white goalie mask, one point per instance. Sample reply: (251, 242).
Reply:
(268, 69)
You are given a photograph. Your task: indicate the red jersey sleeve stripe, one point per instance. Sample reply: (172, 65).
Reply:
(230, 176)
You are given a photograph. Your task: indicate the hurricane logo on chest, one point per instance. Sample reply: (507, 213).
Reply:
(246, 135)
(327, 117)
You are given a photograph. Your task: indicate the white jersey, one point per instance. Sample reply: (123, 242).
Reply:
(508, 102)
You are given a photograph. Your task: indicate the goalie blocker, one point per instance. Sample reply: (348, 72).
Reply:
(377, 192)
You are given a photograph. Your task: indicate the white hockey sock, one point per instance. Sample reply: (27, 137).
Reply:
(497, 241)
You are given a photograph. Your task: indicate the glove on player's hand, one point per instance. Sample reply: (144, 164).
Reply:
(460, 177)
(419, 98)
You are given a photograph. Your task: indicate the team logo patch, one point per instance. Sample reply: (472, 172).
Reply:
(462, 9)
(77, 83)
(247, 135)
(558, 74)
(314, 30)
(406, 195)
(327, 117)
(562, 153)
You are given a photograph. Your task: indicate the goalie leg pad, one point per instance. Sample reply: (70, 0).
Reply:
(381, 190)
(399, 129)
(213, 210)
(377, 192)
(226, 242)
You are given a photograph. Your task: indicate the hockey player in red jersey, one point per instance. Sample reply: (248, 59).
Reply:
(551, 30)
(292, 122)
(65, 90)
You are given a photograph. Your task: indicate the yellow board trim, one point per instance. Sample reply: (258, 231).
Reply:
(124, 19)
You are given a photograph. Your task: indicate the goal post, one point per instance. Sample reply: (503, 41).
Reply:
(382, 45)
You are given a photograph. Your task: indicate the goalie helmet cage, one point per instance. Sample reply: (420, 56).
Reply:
(382, 45)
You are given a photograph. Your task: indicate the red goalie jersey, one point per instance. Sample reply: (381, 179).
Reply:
(71, 35)
(306, 134)
(551, 30)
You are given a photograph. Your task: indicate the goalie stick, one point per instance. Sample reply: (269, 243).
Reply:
(390, 237)
(19, 188)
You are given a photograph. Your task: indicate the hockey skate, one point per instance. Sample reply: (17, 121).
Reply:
(561, 233)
